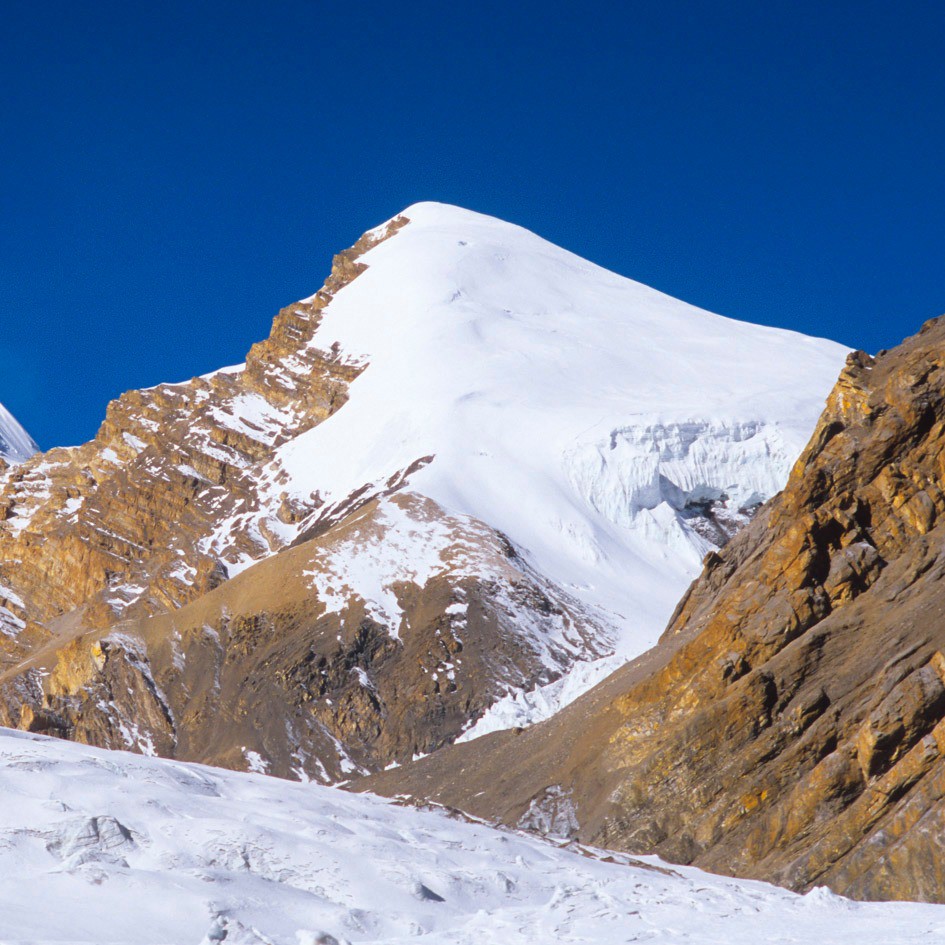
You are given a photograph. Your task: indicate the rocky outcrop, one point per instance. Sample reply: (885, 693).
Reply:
(791, 724)
(160, 592)
(129, 524)
(286, 669)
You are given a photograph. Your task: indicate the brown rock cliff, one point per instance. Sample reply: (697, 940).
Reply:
(791, 724)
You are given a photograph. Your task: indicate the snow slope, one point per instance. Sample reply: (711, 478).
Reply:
(15, 443)
(108, 848)
(584, 415)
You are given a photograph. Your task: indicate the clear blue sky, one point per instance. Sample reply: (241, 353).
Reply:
(173, 174)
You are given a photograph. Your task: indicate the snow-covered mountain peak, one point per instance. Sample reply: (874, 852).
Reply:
(501, 462)
(588, 417)
(16, 444)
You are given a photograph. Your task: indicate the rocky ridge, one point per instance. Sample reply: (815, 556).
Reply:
(791, 723)
(260, 674)
(129, 523)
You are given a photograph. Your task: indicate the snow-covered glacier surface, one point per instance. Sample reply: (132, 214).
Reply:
(104, 847)
(15, 443)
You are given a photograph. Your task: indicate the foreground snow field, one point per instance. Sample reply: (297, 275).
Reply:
(106, 847)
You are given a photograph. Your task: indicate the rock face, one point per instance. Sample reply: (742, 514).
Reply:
(130, 523)
(260, 674)
(462, 468)
(791, 723)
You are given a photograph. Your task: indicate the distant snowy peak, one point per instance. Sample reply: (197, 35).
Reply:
(16, 445)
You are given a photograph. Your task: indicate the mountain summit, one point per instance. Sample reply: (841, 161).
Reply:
(450, 491)
(584, 415)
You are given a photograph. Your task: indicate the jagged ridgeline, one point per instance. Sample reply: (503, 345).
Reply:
(451, 491)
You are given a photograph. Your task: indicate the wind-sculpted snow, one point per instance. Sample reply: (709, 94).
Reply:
(105, 847)
(16, 444)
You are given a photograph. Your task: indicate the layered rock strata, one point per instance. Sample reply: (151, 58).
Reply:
(129, 524)
(270, 672)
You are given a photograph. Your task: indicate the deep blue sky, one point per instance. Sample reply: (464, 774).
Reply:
(171, 176)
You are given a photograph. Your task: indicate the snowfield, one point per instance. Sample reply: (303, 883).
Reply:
(102, 848)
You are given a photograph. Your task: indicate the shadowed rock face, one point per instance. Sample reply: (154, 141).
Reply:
(791, 723)
(258, 673)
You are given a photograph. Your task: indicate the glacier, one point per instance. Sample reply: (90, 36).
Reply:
(108, 847)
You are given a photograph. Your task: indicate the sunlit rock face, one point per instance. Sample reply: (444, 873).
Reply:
(790, 724)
